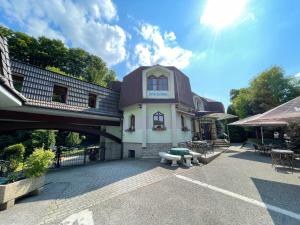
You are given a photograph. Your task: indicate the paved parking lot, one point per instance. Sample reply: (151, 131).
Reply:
(239, 187)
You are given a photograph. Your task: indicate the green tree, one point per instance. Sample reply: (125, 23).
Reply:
(73, 139)
(45, 52)
(43, 138)
(266, 91)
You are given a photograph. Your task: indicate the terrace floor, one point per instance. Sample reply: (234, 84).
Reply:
(238, 187)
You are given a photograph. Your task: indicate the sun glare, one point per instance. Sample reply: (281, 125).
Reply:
(222, 13)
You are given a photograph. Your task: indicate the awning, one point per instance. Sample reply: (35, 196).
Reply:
(289, 111)
(220, 116)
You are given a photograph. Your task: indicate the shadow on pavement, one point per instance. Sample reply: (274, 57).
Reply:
(282, 195)
(253, 156)
(75, 181)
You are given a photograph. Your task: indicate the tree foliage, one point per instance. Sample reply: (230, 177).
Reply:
(38, 162)
(14, 154)
(73, 139)
(52, 53)
(43, 138)
(266, 91)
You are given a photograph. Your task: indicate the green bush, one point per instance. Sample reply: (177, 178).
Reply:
(38, 162)
(237, 134)
(14, 154)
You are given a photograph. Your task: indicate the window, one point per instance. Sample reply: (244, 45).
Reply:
(18, 82)
(59, 94)
(132, 122)
(157, 83)
(158, 121)
(182, 122)
(183, 125)
(92, 100)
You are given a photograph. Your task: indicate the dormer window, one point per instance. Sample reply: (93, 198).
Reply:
(59, 94)
(18, 82)
(157, 83)
(92, 100)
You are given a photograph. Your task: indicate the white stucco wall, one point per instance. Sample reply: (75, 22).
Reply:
(164, 136)
(172, 134)
(183, 136)
(136, 136)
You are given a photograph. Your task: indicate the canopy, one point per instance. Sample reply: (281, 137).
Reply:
(289, 111)
(220, 116)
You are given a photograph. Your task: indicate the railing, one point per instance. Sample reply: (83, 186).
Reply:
(77, 156)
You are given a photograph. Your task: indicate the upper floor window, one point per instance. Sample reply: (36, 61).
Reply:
(92, 100)
(158, 120)
(18, 82)
(157, 83)
(59, 94)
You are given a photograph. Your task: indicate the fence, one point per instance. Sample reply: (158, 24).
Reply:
(84, 156)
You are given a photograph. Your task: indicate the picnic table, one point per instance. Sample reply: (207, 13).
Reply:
(283, 157)
(179, 151)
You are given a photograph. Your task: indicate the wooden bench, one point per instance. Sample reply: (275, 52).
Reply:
(166, 156)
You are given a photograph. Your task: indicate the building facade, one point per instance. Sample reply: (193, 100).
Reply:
(151, 110)
(160, 111)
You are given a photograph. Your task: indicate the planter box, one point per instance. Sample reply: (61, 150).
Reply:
(9, 192)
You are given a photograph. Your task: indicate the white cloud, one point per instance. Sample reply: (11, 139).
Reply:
(85, 23)
(156, 48)
(297, 75)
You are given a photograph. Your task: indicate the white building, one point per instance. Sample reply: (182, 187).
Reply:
(160, 111)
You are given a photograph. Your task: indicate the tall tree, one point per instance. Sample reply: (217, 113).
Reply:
(266, 91)
(45, 52)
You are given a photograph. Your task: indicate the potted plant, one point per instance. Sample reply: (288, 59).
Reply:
(33, 178)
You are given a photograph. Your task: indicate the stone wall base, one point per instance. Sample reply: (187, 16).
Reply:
(151, 151)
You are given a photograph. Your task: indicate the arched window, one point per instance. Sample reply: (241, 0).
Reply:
(152, 83)
(132, 123)
(162, 83)
(157, 83)
(158, 120)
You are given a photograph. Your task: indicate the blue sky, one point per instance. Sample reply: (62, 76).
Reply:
(219, 44)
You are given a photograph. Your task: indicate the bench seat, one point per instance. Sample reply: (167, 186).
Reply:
(166, 156)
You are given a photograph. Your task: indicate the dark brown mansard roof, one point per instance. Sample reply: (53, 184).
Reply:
(38, 85)
(132, 93)
(210, 106)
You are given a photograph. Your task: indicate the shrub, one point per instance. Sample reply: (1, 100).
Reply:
(237, 134)
(14, 154)
(293, 131)
(38, 162)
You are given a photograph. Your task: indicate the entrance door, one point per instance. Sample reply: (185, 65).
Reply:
(206, 135)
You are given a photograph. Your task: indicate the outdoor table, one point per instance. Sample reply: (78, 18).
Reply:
(282, 157)
(180, 151)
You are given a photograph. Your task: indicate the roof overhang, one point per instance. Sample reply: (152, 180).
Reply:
(8, 98)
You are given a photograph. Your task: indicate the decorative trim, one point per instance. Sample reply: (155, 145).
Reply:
(159, 128)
